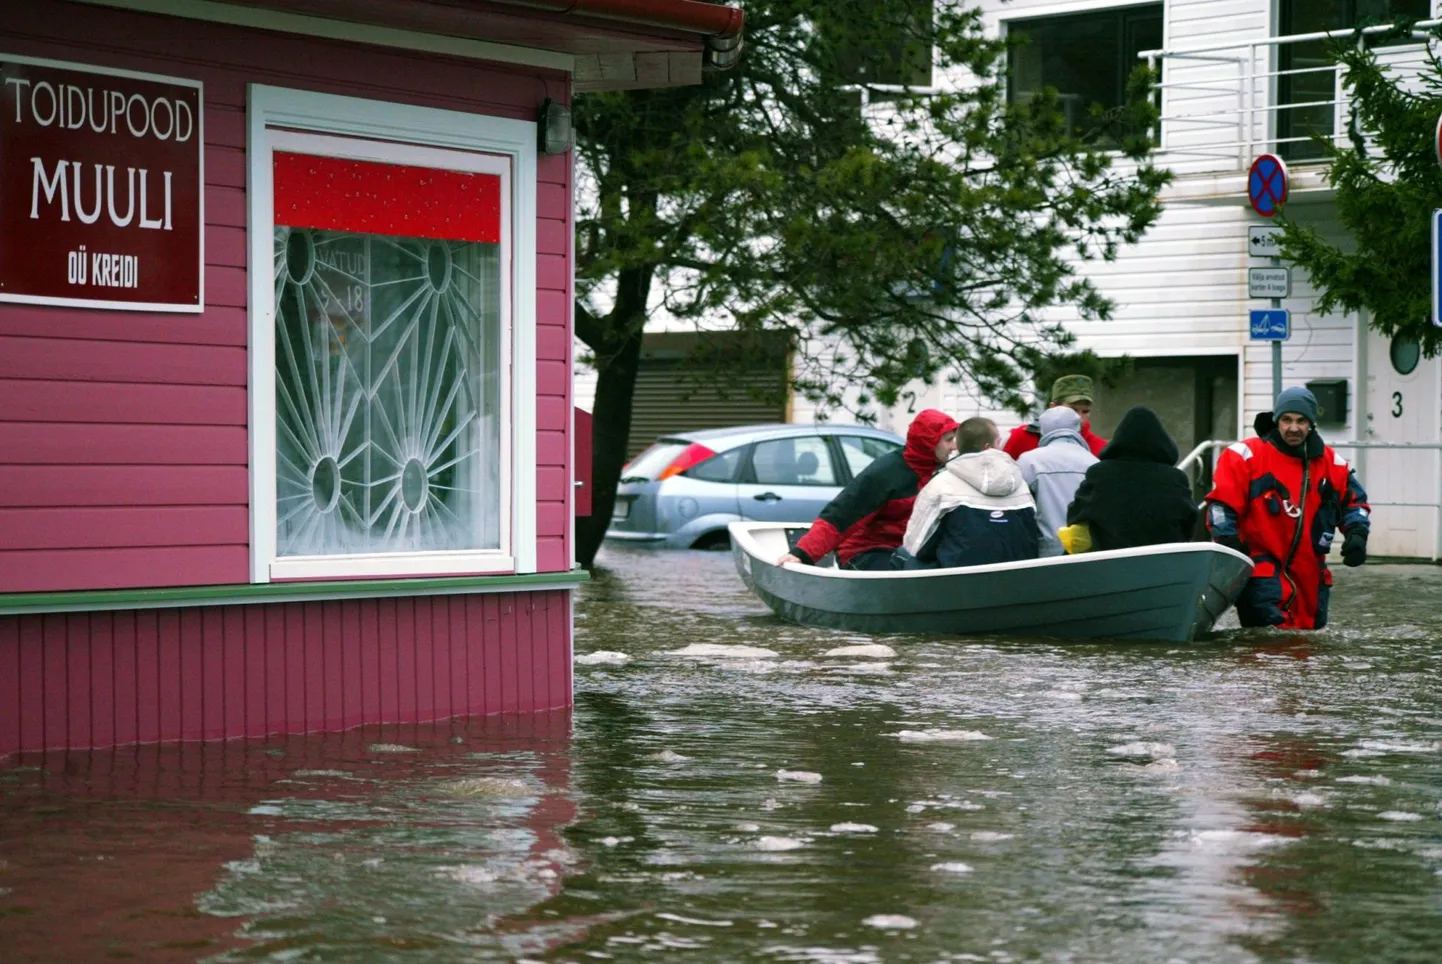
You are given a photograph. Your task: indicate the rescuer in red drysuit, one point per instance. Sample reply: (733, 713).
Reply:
(1280, 498)
(866, 520)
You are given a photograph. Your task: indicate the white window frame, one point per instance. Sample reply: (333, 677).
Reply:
(421, 136)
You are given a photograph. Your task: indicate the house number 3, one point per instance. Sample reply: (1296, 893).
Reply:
(1396, 404)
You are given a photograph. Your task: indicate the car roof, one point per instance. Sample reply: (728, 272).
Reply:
(742, 434)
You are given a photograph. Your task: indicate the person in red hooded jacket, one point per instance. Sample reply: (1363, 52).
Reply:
(866, 520)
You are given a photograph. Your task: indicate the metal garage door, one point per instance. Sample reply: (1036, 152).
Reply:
(689, 381)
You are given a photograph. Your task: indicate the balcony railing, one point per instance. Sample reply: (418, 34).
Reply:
(1224, 104)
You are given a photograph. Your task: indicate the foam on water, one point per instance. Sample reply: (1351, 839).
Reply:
(870, 650)
(391, 748)
(472, 874)
(1401, 816)
(1376, 781)
(941, 826)
(778, 843)
(723, 651)
(1163, 765)
(602, 657)
(798, 776)
(1385, 747)
(1152, 751)
(1223, 841)
(694, 920)
(898, 922)
(989, 836)
(852, 828)
(940, 736)
(952, 867)
(668, 756)
(502, 787)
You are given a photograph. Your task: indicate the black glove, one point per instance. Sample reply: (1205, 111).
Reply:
(1232, 542)
(1354, 549)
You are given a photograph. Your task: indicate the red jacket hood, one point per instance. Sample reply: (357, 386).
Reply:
(921, 439)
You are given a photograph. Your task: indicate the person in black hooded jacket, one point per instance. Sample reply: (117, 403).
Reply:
(1135, 495)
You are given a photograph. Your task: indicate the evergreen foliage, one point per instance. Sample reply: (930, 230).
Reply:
(1387, 182)
(891, 232)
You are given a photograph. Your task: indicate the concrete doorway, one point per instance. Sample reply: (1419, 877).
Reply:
(1195, 396)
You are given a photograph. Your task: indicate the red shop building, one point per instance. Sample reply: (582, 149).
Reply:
(286, 433)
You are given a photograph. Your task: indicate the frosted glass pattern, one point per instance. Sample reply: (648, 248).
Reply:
(387, 393)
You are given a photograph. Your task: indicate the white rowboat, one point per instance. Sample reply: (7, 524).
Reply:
(1170, 592)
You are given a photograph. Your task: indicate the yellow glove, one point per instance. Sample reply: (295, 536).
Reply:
(1075, 538)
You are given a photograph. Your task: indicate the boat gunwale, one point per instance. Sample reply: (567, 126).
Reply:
(740, 533)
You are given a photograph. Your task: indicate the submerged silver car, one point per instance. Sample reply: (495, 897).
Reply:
(682, 491)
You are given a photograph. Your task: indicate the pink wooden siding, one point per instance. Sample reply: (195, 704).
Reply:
(123, 434)
(82, 680)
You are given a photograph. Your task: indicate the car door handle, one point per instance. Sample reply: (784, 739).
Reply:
(767, 497)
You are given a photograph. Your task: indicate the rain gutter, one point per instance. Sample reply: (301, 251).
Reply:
(719, 25)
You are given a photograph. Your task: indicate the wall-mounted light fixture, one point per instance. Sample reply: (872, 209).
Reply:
(553, 127)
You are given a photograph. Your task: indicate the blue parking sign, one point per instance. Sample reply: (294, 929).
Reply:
(1271, 324)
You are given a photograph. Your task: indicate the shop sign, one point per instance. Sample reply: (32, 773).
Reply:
(101, 187)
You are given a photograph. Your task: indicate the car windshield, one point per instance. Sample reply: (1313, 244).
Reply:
(650, 463)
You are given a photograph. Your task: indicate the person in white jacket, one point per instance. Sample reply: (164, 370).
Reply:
(1053, 471)
(974, 512)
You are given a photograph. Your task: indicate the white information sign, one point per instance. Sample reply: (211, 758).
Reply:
(1269, 282)
(1262, 240)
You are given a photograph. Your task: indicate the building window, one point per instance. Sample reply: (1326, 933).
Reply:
(392, 427)
(1308, 78)
(1087, 58)
(891, 48)
(387, 392)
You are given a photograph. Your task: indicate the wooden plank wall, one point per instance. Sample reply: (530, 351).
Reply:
(123, 452)
(78, 680)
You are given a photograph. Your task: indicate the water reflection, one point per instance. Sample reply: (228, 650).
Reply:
(424, 840)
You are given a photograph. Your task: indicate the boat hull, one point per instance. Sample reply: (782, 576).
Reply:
(1173, 592)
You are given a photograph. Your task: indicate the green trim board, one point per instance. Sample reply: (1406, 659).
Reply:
(13, 604)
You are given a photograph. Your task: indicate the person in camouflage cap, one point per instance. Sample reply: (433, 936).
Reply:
(1073, 391)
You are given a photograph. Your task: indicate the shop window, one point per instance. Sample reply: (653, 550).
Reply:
(1087, 58)
(387, 392)
(1307, 85)
(400, 443)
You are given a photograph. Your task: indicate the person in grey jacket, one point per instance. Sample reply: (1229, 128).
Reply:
(1053, 471)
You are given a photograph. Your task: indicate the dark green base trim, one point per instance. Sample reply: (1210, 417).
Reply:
(273, 592)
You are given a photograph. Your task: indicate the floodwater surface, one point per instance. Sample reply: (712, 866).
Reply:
(732, 788)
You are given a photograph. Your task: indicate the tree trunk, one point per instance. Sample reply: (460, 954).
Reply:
(610, 430)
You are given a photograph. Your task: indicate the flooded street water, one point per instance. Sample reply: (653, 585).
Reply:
(731, 788)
